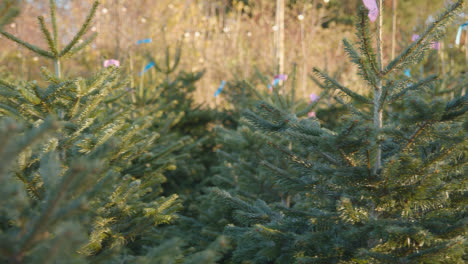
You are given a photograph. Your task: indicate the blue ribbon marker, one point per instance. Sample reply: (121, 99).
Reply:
(147, 67)
(221, 87)
(276, 82)
(408, 72)
(459, 33)
(144, 41)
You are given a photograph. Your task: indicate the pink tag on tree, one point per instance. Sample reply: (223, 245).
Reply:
(312, 114)
(276, 81)
(112, 62)
(282, 77)
(373, 9)
(435, 45)
(313, 97)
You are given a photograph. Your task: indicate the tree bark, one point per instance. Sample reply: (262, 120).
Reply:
(378, 111)
(394, 25)
(280, 36)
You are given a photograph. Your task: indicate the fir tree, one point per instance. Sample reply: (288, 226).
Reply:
(111, 150)
(246, 163)
(172, 87)
(105, 164)
(387, 185)
(55, 52)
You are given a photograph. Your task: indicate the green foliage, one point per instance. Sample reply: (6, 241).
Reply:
(98, 178)
(95, 127)
(246, 167)
(37, 235)
(170, 92)
(342, 209)
(8, 10)
(106, 169)
(55, 53)
(169, 87)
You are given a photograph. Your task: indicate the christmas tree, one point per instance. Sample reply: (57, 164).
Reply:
(91, 189)
(117, 167)
(387, 184)
(192, 122)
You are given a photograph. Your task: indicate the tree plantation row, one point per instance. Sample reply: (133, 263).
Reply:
(121, 164)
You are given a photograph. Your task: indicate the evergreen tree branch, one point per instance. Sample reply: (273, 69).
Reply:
(8, 94)
(51, 204)
(346, 158)
(358, 60)
(7, 85)
(435, 250)
(455, 108)
(30, 187)
(424, 39)
(416, 134)
(29, 94)
(351, 108)
(292, 156)
(423, 170)
(8, 110)
(366, 42)
(47, 36)
(416, 86)
(284, 174)
(29, 138)
(82, 31)
(338, 86)
(83, 44)
(49, 77)
(53, 18)
(8, 10)
(54, 89)
(250, 86)
(28, 46)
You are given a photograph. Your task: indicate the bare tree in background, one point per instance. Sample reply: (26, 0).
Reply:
(279, 38)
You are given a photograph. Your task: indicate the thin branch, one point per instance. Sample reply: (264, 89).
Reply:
(82, 30)
(28, 46)
(364, 24)
(48, 36)
(416, 134)
(415, 45)
(53, 18)
(337, 85)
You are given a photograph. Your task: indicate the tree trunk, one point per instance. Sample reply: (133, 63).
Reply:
(394, 25)
(280, 36)
(378, 110)
(117, 29)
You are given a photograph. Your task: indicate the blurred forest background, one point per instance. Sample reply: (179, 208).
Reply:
(228, 39)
